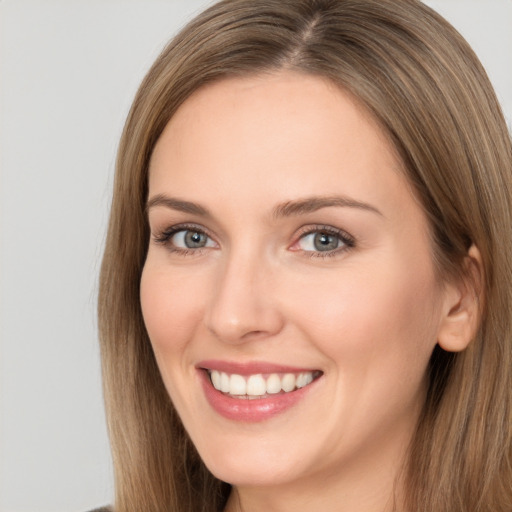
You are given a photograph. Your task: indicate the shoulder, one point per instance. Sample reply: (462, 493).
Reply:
(103, 509)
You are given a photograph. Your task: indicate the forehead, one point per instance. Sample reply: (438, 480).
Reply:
(298, 134)
(266, 103)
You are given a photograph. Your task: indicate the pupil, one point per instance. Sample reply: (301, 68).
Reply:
(194, 239)
(325, 242)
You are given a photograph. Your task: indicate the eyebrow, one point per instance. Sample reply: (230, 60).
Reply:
(177, 204)
(312, 204)
(286, 209)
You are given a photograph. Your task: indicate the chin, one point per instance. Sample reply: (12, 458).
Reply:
(249, 461)
(243, 473)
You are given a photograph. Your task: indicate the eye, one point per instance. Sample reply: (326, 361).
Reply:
(325, 240)
(319, 242)
(190, 239)
(184, 239)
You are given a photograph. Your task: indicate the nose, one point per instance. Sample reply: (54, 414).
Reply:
(243, 305)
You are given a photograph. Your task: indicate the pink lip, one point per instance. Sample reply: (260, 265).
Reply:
(245, 410)
(249, 368)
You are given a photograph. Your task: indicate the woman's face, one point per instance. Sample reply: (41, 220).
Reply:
(290, 263)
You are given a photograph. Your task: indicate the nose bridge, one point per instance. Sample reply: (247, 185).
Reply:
(242, 305)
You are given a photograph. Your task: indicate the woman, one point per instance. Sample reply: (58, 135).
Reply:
(305, 297)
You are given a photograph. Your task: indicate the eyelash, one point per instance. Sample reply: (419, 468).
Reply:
(164, 238)
(347, 240)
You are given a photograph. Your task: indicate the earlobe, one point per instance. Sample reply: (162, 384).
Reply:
(463, 302)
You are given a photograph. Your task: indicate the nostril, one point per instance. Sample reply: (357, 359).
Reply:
(248, 324)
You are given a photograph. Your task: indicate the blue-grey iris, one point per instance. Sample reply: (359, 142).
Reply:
(325, 242)
(194, 240)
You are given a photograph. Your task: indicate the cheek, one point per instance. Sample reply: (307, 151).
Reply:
(376, 316)
(171, 307)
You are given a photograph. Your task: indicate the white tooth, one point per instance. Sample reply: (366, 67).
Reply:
(301, 380)
(288, 382)
(256, 385)
(237, 385)
(215, 376)
(304, 379)
(224, 382)
(273, 384)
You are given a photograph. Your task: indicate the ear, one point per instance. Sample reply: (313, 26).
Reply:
(462, 305)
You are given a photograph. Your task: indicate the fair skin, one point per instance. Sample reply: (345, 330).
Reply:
(343, 287)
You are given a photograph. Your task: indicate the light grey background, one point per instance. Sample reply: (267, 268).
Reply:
(68, 72)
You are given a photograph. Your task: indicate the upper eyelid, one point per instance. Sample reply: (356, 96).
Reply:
(306, 230)
(320, 227)
(185, 226)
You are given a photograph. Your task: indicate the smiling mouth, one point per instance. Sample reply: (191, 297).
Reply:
(260, 386)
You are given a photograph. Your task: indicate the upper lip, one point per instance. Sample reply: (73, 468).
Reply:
(249, 368)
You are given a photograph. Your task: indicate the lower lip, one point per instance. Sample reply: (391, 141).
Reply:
(251, 411)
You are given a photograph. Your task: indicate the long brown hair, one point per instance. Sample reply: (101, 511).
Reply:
(428, 91)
